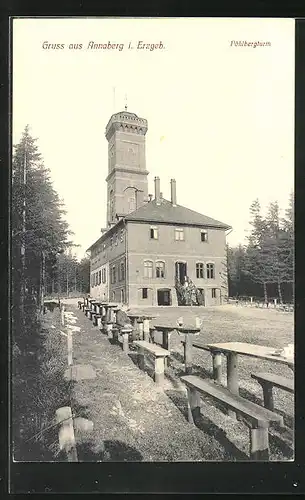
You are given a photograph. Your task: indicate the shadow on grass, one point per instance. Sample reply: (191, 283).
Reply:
(112, 451)
(207, 426)
(288, 419)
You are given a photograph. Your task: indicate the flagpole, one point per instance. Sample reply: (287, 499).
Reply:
(113, 104)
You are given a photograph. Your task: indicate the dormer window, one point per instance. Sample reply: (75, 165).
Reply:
(154, 233)
(203, 235)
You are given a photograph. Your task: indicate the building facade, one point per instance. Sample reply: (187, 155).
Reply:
(152, 246)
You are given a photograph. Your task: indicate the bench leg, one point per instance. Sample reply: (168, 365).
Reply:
(259, 444)
(141, 359)
(109, 331)
(125, 342)
(216, 357)
(159, 370)
(193, 405)
(268, 396)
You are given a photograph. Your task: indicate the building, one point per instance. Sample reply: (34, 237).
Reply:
(153, 249)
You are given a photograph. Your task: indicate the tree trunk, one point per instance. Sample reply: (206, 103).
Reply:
(265, 293)
(280, 291)
(41, 283)
(67, 284)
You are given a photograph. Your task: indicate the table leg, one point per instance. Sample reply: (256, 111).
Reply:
(232, 377)
(216, 357)
(188, 353)
(146, 329)
(141, 330)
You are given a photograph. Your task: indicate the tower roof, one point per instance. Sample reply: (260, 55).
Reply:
(124, 120)
(165, 212)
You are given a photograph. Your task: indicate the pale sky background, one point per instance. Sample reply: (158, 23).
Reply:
(226, 113)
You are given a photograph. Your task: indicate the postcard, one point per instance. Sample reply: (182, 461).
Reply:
(152, 240)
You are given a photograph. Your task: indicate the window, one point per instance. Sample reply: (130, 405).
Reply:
(122, 296)
(204, 235)
(199, 270)
(92, 280)
(179, 234)
(122, 271)
(210, 271)
(144, 293)
(95, 279)
(148, 269)
(113, 274)
(160, 269)
(132, 203)
(104, 275)
(213, 293)
(99, 277)
(154, 232)
(113, 296)
(111, 242)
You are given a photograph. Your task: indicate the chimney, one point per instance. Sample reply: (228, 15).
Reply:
(173, 193)
(157, 190)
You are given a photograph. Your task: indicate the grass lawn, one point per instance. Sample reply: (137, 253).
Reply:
(136, 420)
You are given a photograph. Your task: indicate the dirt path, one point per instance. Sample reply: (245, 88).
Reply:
(133, 419)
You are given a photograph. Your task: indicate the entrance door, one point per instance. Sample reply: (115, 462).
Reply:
(180, 271)
(164, 297)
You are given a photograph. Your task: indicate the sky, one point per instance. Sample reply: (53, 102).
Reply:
(220, 114)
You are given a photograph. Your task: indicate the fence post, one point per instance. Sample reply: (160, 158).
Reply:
(69, 339)
(62, 314)
(66, 433)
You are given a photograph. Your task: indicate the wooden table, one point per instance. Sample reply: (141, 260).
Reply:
(140, 322)
(233, 349)
(189, 332)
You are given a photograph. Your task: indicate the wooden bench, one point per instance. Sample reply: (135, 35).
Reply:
(121, 335)
(158, 352)
(270, 380)
(257, 418)
(87, 311)
(97, 319)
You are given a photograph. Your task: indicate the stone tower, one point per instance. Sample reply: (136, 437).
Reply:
(127, 186)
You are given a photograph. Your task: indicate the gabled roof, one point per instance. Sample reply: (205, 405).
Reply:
(165, 212)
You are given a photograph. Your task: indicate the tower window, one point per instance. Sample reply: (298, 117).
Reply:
(122, 271)
(144, 293)
(210, 271)
(199, 270)
(148, 269)
(204, 235)
(160, 269)
(179, 233)
(154, 232)
(104, 275)
(213, 293)
(113, 274)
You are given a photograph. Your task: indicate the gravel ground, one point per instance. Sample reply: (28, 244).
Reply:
(134, 420)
